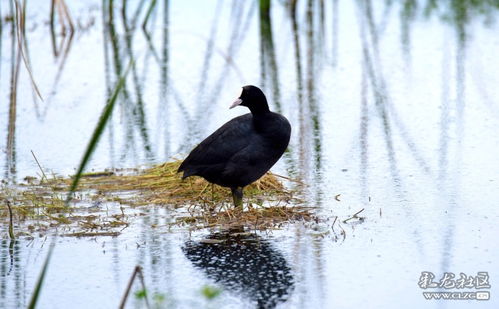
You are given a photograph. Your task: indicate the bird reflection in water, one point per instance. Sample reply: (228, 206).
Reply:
(244, 264)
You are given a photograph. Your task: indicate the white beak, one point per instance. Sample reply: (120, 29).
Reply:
(236, 103)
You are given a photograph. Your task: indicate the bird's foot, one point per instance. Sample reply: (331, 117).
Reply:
(237, 195)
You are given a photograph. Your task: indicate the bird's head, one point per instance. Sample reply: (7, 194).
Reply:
(253, 98)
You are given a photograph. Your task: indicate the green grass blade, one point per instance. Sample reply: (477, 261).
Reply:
(38, 286)
(99, 129)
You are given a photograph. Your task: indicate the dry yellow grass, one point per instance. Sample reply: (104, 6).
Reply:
(268, 204)
(162, 184)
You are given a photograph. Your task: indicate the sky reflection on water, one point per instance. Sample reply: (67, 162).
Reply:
(394, 106)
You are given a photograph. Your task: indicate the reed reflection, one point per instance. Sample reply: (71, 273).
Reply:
(11, 158)
(12, 274)
(309, 58)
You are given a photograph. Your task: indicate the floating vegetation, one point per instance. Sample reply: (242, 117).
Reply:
(162, 185)
(107, 200)
(255, 218)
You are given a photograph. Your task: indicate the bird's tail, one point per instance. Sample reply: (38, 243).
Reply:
(186, 170)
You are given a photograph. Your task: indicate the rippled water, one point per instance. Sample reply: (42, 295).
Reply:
(394, 109)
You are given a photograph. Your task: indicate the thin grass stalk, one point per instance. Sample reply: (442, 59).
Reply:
(99, 129)
(38, 287)
(11, 222)
(39, 166)
(137, 272)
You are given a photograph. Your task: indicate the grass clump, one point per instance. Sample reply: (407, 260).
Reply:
(98, 208)
(162, 184)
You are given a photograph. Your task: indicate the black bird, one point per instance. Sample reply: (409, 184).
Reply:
(242, 150)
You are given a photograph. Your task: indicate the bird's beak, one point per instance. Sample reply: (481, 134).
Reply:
(236, 103)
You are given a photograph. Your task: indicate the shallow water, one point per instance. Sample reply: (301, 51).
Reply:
(393, 111)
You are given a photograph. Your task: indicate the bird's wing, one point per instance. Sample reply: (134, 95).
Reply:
(219, 147)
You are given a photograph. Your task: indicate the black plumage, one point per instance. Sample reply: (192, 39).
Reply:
(243, 149)
(246, 265)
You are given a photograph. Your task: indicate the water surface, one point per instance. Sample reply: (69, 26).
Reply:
(394, 109)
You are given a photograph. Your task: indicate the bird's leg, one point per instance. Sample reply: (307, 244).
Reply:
(237, 195)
